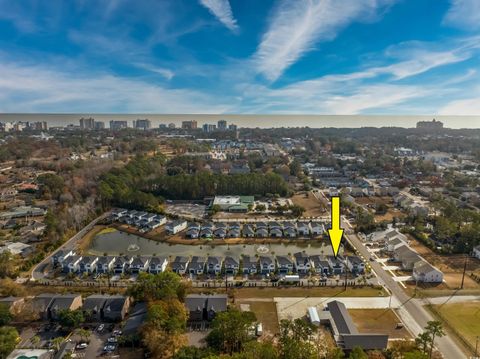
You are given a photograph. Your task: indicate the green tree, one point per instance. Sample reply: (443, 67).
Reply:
(170, 316)
(70, 319)
(191, 352)
(6, 264)
(35, 340)
(8, 340)
(5, 315)
(57, 342)
(423, 341)
(435, 330)
(294, 341)
(357, 353)
(162, 286)
(230, 330)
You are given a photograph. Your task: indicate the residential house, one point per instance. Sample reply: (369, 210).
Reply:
(59, 256)
(63, 302)
(303, 229)
(355, 264)
(71, 264)
(139, 264)
(267, 265)
(317, 229)
(88, 264)
(220, 232)
(175, 227)
(193, 231)
(105, 264)
(320, 264)
(233, 232)
(248, 231)
(115, 308)
(302, 263)
(197, 265)
(231, 265)
(204, 307)
(180, 264)
(262, 232)
(337, 265)
(93, 307)
(41, 303)
(249, 264)
(275, 232)
(426, 273)
(284, 265)
(157, 264)
(406, 256)
(121, 264)
(289, 231)
(214, 265)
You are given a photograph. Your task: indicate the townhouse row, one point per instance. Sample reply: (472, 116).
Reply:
(301, 263)
(146, 222)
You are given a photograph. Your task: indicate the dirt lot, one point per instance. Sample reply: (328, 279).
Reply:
(266, 313)
(391, 213)
(313, 207)
(378, 321)
(463, 318)
(451, 266)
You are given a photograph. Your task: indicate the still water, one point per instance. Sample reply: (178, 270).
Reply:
(116, 243)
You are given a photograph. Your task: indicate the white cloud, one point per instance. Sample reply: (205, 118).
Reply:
(166, 73)
(297, 26)
(463, 107)
(222, 10)
(41, 89)
(464, 14)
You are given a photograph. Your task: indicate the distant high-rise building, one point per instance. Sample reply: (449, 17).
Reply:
(430, 125)
(116, 125)
(38, 126)
(99, 125)
(171, 125)
(189, 125)
(232, 127)
(144, 124)
(162, 126)
(207, 127)
(87, 123)
(222, 125)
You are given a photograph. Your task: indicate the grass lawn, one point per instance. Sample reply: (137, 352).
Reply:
(269, 292)
(464, 318)
(378, 321)
(266, 313)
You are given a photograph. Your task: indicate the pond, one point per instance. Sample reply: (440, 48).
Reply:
(115, 243)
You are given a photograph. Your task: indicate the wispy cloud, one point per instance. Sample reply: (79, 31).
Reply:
(296, 26)
(464, 14)
(222, 10)
(44, 89)
(166, 73)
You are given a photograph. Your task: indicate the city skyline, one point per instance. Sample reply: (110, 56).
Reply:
(241, 57)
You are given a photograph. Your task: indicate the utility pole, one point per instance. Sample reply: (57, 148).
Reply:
(346, 273)
(464, 270)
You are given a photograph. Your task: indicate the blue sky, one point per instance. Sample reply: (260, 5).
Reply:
(240, 56)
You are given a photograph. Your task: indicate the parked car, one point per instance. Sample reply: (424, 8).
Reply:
(81, 346)
(100, 328)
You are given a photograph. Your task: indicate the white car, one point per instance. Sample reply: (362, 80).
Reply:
(100, 327)
(81, 346)
(112, 340)
(109, 348)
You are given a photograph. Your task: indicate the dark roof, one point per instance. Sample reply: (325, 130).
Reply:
(115, 303)
(341, 317)
(231, 262)
(63, 301)
(284, 260)
(95, 302)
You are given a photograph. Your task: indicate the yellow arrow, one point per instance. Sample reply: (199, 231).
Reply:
(335, 232)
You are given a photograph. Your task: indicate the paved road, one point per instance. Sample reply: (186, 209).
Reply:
(411, 310)
(38, 271)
